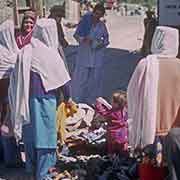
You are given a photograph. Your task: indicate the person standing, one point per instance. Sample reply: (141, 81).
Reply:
(149, 27)
(57, 13)
(35, 79)
(8, 55)
(93, 37)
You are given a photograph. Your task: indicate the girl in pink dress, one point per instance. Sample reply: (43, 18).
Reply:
(116, 116)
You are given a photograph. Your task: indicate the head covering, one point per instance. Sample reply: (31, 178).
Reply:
(165, 42)
(25, 38)
(8, 48)
(46, 31)
(29, 14)
(58, 11)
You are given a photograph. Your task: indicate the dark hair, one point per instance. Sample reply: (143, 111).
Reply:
(120, 97)
(99, 7)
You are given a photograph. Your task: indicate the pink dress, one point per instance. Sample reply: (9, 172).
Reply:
(117, 131)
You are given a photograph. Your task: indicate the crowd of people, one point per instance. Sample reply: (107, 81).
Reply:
(34, 74)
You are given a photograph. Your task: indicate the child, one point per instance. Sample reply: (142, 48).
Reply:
(116, 115)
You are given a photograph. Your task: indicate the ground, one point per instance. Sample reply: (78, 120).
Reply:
(125, 37)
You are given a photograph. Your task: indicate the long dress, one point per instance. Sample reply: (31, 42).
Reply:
(87, 76)
(117, 131)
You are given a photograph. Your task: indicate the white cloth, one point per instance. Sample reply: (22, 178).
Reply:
(19, 91)
(143, 88)
(46, 31)
(49, 65)
(8, 49)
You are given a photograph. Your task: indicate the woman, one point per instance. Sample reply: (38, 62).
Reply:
(92, 37)
(24, 37)
(152, 106)
(8, 55)
(39, 72)
(154, 94)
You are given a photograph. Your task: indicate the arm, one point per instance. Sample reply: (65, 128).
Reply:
(61, 36)
(104, 41)
(66, 89)
(105, 36)
(101, 109)
(83, 28)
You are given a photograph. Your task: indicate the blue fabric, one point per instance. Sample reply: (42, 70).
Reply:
(38, 161)
(46, 158)
(66, 89)
(84, 26)
(43, 119)
(40, 137)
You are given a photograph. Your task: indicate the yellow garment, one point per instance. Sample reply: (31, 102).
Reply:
(62, 114)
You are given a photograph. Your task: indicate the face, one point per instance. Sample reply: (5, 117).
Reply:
(98, 14)
(28, 25)
(115, 105)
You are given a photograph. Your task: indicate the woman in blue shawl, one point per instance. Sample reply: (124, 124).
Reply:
(93, 37)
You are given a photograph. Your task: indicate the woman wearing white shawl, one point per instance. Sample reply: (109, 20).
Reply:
(39, 72)
(153, 91)
(8, 56)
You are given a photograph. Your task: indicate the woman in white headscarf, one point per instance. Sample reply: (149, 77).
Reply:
(8, 50)
(39, 72)
(8, 56)
(153, 91)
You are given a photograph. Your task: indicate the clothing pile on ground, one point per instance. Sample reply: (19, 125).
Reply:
(96, 167)
(80, 129)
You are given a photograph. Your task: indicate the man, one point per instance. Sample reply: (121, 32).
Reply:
(93, 38)
(57, 13)
(149, 27)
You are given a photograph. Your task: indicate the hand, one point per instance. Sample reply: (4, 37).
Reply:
(69, 103)
(87, 41)
(65, 43)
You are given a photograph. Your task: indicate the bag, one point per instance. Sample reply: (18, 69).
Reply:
(149, 172)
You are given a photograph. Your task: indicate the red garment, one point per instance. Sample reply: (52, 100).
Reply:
(117, 135)
(23, 39)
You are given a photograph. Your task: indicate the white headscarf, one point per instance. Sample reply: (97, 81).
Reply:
(8, 48)
(143, 87)
(165, 42)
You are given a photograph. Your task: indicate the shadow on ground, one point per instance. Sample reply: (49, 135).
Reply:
(13, 174)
